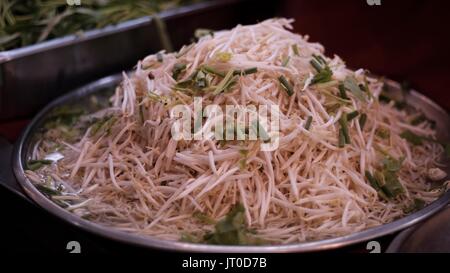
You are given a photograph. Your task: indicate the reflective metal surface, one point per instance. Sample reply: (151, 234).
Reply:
(22, 149)
(431, 236)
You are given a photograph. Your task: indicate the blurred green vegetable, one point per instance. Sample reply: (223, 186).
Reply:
(27, 22)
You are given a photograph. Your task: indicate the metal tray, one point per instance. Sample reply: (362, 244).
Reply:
(32, 76)
(23, 146)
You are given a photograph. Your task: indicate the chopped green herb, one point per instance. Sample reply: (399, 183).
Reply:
(342, 92)
(177, 69)
(33, 165)
(392, 186)
(344, 126)
(286, 85)
(391, 164)
(47, 190)
(376, 185)
(63, 116)
(324, 73)
(416, 205)
(383, 133)
(104, 125)
(352, 115)
(362, 121)
(285, 61)
(231, 230)
(226, 83)
(308, 123)
(246, 71)
(204, 218)
(419, 120)
(412, 137)
(351, 84)
(341, 136)
(212, 70)
(295, 49)
(316, 65)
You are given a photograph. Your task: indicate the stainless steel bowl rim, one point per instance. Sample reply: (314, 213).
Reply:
(152, 242)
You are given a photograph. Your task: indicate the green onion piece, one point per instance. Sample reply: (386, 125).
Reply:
(383, 133)
(226, 82)
(308, 123)
(204, 218)
(231, 230)
(412, 138)
(362, 121)
(286, 85)
(416, 205)
(351, 84)
(392, 186)
(342, 92)
(33, 165)
(344, 127)
(47, 190)
(212, 70)
(341, 138)
(419, 120)
(319, 58)
(285, 61)
(247, 71)
(316, 65)
(352, 115)
(295, 49)
(325, 75)
(177, 69)
(250, 70)
(375, 184)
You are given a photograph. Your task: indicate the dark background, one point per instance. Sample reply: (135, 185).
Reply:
(403, 40)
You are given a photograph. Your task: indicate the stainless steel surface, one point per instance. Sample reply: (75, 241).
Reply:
(32, 76)
(431, 236)
(23, 146)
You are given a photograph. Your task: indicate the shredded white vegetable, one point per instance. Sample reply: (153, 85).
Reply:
(137, 178)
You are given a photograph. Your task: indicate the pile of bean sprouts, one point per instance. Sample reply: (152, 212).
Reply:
(135, 177)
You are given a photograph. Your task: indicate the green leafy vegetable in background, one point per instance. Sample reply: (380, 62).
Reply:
(27, 22)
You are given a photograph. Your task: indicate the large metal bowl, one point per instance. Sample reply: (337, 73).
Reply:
(105, 85)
